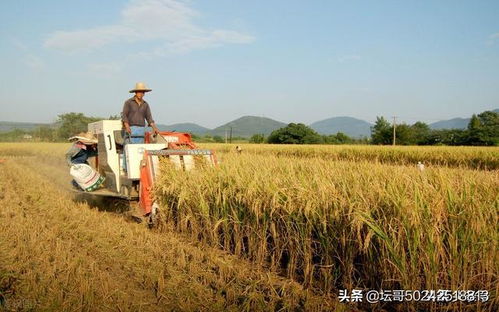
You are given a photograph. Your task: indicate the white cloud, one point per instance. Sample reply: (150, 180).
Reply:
(85, 40)
(208, 40)
(169, 22)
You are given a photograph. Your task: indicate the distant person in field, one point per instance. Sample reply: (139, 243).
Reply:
(136, 112)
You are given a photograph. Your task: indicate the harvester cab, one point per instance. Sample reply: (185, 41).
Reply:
(133, 178)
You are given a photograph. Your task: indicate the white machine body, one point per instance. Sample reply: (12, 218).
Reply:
(134, 154)
(104, 131)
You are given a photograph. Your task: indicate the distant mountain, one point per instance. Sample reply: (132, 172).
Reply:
(454, 123)
(6, 126)
(350, 126)
(185, 127)
(248, 125)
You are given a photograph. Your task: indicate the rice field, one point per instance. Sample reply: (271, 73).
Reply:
(343, 218)
(274, 228)
(486, 158)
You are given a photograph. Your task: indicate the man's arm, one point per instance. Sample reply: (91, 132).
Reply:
(149, 119)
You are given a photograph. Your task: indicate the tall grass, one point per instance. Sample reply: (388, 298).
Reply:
(343, 224)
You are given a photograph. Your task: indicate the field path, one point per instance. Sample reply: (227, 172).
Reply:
(61, 255)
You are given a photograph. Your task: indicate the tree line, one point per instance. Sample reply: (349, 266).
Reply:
(298, 133)
(483, 129)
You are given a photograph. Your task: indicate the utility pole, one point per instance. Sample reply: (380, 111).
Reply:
(225, 135)
(230, 137)
(394, 129)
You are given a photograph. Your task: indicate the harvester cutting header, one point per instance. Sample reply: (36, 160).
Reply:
(128, 157)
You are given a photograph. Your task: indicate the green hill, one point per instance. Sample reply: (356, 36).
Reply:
(6, 126)
(185, 127)
(454, 123)
(248, 125)
(350, 126)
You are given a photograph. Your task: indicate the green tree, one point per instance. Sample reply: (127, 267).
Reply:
(338, 138)
(474, 131)
(420, 132)
(12, 135)
(330, 139)
(73, 123)
(446, 137)
(45, 133)
(205, 139)
(343, 138)
(381, 132)
(484, 129)
(295, 133)
(218, 139)
(403, 134)
(257, 138)
(490, 131)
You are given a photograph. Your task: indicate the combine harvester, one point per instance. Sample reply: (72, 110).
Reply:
(136, 181)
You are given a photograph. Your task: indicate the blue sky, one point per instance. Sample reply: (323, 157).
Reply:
(213, 61)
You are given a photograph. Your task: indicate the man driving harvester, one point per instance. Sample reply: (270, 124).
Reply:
(135, 112)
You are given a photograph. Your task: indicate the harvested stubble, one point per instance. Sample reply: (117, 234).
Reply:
(472, 157)
(344, 224)
(60, 255)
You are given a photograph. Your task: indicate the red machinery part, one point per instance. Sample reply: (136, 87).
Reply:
(146, 182)
(149, 167)
(176, 140)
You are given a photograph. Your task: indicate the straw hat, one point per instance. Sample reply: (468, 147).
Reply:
(140, 86)
(85, 138)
